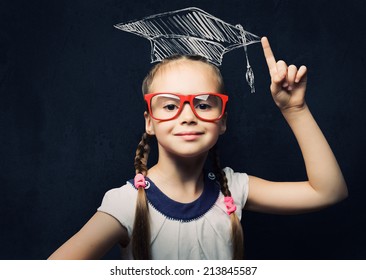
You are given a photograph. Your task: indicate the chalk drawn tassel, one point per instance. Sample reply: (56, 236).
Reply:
(249, 75)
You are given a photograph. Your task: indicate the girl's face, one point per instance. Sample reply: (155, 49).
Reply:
(185, 136)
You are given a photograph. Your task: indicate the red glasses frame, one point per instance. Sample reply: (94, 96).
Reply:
(187, 99)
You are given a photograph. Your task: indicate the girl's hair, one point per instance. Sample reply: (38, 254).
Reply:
(236, 227)
(141, 229)
(151, 75)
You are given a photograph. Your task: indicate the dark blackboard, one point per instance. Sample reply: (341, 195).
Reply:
(71, 116)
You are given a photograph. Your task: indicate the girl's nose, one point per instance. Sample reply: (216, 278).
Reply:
(187, 115)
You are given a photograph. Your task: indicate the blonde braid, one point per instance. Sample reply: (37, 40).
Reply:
(142, 154)
(236, 227)
(141, 226)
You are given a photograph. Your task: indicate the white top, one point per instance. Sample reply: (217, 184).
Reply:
(196, 230)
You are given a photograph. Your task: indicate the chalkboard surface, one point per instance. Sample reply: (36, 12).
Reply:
(71, 115)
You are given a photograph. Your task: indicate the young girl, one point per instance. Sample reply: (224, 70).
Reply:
(179, 210)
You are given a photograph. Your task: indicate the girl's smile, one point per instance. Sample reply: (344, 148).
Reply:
(189, 135)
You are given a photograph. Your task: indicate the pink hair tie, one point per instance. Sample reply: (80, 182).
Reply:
(230, 206)
(139, 181)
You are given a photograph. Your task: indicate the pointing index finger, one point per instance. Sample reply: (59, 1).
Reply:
(268, 54)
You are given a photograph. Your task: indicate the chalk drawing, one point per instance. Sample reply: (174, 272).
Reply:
(192, 31)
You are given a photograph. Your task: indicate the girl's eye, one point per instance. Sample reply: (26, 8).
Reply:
(170, 107)
(203, 106)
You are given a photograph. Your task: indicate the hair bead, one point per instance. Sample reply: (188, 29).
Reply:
(230, 206)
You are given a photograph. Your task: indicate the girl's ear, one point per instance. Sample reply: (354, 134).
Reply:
(149, 128)
(223, 124)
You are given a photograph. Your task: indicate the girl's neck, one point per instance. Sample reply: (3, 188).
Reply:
(179, 179)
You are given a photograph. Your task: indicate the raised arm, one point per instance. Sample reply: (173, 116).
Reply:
(94, 240)
(325, 185)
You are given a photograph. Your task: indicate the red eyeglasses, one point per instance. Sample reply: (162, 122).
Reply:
(167, 106)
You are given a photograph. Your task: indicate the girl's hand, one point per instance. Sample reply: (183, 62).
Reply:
(288, 84)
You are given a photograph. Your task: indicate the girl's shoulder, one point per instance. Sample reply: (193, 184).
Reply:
(121, 203)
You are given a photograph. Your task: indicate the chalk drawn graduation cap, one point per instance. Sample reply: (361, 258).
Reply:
(192, 31)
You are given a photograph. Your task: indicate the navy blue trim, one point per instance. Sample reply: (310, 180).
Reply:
(184, 212)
